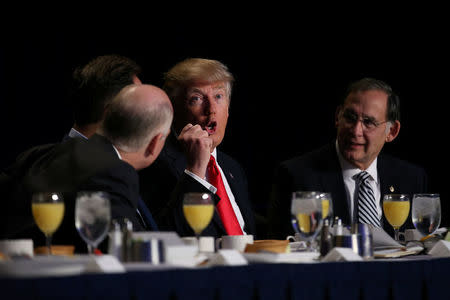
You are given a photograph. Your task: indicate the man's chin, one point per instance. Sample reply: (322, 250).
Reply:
(352, 156)
(216, 141)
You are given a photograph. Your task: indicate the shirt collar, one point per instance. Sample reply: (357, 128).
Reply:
(349, 170)
(73, 133)
(117, 151)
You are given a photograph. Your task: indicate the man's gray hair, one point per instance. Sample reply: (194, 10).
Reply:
(130, 126)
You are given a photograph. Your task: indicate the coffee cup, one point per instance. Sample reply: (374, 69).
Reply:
(237, 242)
(294, 238)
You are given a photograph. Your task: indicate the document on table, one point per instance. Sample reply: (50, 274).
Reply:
(386, 247)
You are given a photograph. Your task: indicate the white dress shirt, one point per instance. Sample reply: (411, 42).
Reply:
(348, 172)
(213, 190)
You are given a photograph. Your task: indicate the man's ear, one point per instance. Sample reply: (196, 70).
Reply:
(393, 131)
(152, 145)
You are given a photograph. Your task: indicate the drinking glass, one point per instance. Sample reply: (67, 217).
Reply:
(307, 218)
(396, 210)
(92, 217)
(426, 213)
(198, 209)
(48, 213)
(327, 207)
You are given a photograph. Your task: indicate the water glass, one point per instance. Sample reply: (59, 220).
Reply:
(426, 213)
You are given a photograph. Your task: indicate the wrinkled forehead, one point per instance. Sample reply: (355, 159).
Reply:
(366, 97)
(371, 102)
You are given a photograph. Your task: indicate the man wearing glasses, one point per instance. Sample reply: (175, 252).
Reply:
(351, 168)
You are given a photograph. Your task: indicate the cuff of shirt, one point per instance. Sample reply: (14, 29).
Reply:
(202, 181)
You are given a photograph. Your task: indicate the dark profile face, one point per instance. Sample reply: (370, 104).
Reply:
(361, 125)
(205, 104)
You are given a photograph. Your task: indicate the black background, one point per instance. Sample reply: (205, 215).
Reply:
(290, 75)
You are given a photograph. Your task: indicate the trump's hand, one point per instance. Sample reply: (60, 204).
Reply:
(197, 146)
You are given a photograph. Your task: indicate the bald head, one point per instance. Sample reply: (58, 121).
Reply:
(136, 115)
(143, 95)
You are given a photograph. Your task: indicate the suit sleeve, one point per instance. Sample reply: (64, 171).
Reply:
(122, 186)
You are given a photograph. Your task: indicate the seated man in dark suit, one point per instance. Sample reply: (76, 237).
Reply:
(129, 138)
(200, 91)
(368, 118)
(94, 85)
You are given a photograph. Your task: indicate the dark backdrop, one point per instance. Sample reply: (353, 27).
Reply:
(289, 80)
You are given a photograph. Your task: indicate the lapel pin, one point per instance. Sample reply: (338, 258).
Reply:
(231, 175)
(391, 188)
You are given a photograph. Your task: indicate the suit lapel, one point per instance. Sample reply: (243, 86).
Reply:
(388, 185)
(388, 182)
(333, 182)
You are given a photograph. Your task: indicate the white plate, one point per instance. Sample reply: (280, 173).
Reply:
(43, 267)
(294, 257)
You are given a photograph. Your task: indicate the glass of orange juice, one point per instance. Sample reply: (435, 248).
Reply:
(48, 213)
(396, 210)
(327, 207)
(198, 209)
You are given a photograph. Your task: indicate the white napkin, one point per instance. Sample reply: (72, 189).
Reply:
(440, 249)
(382, 240)
(23, 247)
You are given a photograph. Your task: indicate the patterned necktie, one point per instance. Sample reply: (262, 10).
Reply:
(224, 207)
(367, 209)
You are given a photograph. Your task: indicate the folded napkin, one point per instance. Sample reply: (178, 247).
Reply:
(19, 247)
(440, 249)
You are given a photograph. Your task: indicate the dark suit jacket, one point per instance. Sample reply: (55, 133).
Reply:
(15, 215)
(164, 183)
(320, 170)
(78, 164)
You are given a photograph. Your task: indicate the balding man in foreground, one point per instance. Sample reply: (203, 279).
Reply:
(130, 138)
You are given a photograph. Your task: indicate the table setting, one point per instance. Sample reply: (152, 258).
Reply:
(320, 237)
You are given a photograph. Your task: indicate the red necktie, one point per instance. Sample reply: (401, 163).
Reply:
(224, 207)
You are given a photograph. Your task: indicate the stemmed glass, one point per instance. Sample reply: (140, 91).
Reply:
(396, 210)
(48, 213)
(92, 217)
(198, 209)
(426, 213)
(307, 218)
(327, 207)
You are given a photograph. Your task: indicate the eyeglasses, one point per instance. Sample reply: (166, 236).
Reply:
(368, 123)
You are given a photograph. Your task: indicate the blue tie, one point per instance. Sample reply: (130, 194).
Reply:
(146, 215)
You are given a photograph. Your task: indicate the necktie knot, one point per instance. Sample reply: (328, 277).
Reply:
(212, 167)
(212, 161)
(362, 176)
